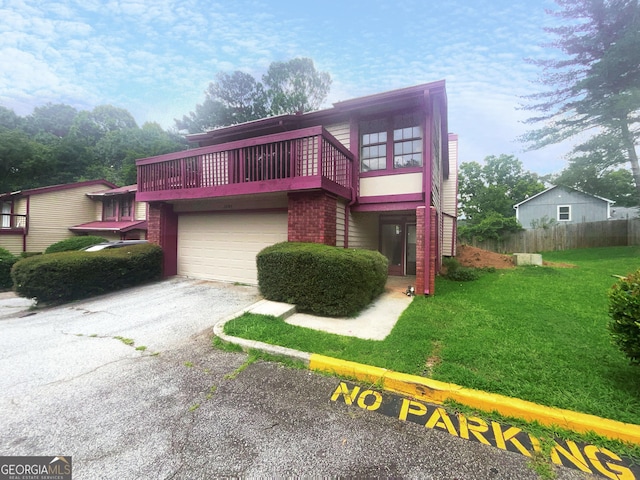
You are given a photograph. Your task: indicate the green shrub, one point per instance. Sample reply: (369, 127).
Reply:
(624, 310)
(454, 271)
(74, 243)
(320, 279)
(7, 259)
(493, 226)
(72, 275)
(29, 254)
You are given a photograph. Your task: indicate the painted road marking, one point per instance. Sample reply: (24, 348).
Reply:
(584, 457)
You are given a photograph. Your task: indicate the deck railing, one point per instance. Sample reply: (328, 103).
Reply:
(310, 152)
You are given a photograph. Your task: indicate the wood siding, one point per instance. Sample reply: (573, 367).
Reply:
(450, 200)
(584, 208)
(52, 213)
(340, 223)
(140, 210)
(223, 247)
(342, 132)
(13, 243)
(363, 230)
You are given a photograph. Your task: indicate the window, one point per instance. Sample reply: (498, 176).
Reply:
(110, 209)
(125, 209)
(564, 213)
(374, 146)
(391, 143)
(118, 208)
(407, 142)
(5, 211)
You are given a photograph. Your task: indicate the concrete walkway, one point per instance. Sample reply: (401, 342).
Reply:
(373, 323)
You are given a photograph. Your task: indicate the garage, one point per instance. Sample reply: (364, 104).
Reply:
(224, 246)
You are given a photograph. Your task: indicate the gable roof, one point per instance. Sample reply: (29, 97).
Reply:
(611, 202)
(54, 188)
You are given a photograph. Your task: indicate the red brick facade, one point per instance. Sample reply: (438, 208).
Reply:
(312, 217)
(426, 268)
(162, 229)
(420, 250)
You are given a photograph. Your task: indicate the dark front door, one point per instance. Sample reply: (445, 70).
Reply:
(392, 242)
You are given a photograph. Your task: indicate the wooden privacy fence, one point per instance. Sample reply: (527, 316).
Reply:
(609, 233)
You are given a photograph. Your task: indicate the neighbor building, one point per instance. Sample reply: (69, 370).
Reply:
(562, 205)
(367, 173)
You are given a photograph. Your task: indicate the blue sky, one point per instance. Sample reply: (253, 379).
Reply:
(155, 58)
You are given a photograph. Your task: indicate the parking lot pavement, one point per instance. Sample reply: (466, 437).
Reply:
(70, 387)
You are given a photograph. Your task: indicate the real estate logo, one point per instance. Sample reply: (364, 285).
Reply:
(36, 468)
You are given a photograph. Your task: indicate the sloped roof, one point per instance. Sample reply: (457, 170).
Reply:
(114, 191)
(611, 202)
(54, 188)
(119, 227)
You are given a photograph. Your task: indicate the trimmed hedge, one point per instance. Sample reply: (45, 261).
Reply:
(72, 275)
(74, 243)
(320, 279)
(624, 310)
(7, 259)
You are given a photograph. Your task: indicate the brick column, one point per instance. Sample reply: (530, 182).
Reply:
(162, 229)
(312, 217)
(420, 250)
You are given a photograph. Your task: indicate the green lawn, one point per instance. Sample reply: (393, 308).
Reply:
(536, 333)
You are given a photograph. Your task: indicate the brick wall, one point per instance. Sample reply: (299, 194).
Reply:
(154, 216)
(312, 217)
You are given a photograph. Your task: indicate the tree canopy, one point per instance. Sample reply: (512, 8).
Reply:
(594, 89)
(287, 87)
(58, 144)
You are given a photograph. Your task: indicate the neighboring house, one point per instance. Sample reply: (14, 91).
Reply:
(367, 173)
(563, 205)
(118, 215)
(624, 213)
(34, 219)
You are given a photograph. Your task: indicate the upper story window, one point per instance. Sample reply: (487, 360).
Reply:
(118, 208)
(391, 143)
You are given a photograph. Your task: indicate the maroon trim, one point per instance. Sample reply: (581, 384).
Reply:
(53, 188)
(427, 179)
(239, 211)
(405, 197)
(110, 226)
(387, 207)
(12, 231)
(394, 171)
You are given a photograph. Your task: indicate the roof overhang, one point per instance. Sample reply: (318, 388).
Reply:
(114, 227)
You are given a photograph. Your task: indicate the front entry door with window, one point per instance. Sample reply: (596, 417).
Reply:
(398, 244)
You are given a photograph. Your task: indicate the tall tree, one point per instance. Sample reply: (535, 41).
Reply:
(287, 87)
(54, 119)
(295, 86)
(595, 88)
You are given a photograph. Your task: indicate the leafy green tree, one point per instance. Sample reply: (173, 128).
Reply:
(287, 87)
(90, 127)
(52, 119)
(9, 119)
(295, 86)
(494, 188)
(594, 88)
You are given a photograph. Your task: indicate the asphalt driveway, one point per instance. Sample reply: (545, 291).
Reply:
(180, 409)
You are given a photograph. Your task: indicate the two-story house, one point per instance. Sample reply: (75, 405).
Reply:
(366, 173)
(33, 219)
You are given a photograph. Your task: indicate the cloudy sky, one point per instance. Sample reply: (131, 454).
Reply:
(155, 58)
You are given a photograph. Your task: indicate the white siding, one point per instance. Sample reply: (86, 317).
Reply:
(342, 132)
(391, 185)
(140, 210)
(340, 223)
(224, 246)
(363, 230)
(450, 200)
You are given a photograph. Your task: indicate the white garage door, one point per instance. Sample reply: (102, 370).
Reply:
(224, 247)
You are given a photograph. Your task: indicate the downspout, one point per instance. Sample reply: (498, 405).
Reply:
(426, 180)
(26, 225)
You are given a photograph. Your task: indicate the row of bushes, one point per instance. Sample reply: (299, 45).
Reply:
(72, 275)
(320, 279)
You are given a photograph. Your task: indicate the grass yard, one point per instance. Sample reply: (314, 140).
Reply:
(536, 333)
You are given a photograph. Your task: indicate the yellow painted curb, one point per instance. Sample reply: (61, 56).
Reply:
(434, 391)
